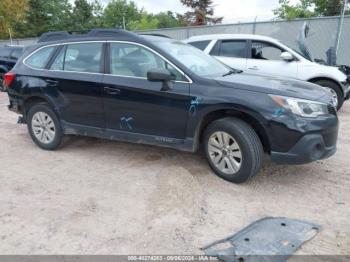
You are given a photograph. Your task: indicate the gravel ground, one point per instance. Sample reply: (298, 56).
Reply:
(104, 197)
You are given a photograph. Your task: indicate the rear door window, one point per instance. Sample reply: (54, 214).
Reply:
(202, 45)
(233, 48)
(40, 58)
(85, 57)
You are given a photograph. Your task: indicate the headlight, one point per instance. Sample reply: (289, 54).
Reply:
(301, 107)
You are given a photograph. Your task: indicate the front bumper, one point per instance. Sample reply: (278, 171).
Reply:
(347, 95)
(310, 148)
(346, 88)
(318, 141)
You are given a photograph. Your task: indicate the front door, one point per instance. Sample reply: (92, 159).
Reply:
(134, 104)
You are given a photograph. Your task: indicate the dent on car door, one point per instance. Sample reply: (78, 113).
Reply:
(265, 58)
(231, 52)
(135, 105)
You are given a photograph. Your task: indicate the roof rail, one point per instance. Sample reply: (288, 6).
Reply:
(109, 32)
(61, 35)
(160, 35)
(54, 36)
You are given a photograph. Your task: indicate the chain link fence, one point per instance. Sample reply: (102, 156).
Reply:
(324, 34)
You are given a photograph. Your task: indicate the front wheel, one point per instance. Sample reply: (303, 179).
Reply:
(44, 127)
(337, 94)
(233, 149)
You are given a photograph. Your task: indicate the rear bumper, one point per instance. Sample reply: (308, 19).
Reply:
(15, 104)
(310, 148)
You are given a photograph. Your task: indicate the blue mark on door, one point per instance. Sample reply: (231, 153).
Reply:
(194, 105)
(126, 122)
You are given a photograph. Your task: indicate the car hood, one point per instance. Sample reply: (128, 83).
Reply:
(275, 85)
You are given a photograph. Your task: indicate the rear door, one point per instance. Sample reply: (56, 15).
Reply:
(265, 58)
(135, 105)
(75, 76)
(231, 52)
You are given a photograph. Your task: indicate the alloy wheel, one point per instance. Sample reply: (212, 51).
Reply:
(225, 153)
(43, 127)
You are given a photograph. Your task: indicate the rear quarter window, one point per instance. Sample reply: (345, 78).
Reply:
(40, 58)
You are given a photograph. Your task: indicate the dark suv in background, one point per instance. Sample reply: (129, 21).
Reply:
(9, 55)
(154, 90)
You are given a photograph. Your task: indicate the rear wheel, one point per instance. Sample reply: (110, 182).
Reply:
(233, 149)
(44, 127)
(337, 94)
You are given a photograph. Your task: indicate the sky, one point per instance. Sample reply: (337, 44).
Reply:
(231, 10)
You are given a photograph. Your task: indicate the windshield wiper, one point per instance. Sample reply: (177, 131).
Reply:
(232, 71)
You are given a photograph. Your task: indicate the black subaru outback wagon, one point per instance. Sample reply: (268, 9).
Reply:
(114, 84)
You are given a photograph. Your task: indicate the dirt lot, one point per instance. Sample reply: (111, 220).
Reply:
(103, 197)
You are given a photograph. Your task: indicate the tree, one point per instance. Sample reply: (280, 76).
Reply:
(147, 21)
(82, 15)
(42, 16)
(119, 13)
(330, 7)
(309, 8)
(168, 20)
(97, 11)
(202, 14)
(8, 19)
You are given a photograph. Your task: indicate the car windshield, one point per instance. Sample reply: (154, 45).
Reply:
(194, 59)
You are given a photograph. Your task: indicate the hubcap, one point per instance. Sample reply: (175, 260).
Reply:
(225, 153)
(43, 127)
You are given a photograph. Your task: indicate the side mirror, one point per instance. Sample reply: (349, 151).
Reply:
(286, 56)
(161, 75)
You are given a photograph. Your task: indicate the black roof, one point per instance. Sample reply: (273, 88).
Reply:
(94, 34)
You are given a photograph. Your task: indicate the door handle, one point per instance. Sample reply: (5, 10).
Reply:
(111, 90)
(52, 82)
(253, 68)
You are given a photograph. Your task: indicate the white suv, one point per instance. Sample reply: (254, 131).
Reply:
(265, 55)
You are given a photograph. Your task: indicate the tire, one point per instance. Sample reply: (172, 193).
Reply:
(249, 146)
(41, 117)
(333, 86)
